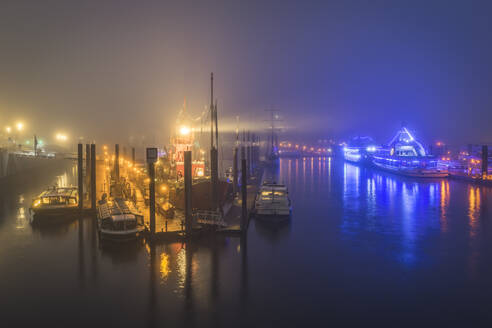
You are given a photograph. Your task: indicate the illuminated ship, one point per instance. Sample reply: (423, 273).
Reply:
(406, 156)
(187, 137)
(359, 150)
(184, 139)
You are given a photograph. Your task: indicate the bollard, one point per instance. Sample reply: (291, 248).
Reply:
(93, 177)
(80, 176)
(485, 161)
(187, 189)
(244, 196)
(117, 162)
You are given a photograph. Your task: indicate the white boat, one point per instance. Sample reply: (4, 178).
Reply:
(359, 150)
(272, 202)
(55, 203)
(406, 156)
(118, 220)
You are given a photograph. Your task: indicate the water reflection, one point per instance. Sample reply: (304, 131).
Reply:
(351, 187)
(360, 233)
(164, 266)
(443, 202)
(273, 232)
(474, 209)
(377, 202)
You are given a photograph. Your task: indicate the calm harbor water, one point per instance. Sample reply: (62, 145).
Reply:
(362, 247)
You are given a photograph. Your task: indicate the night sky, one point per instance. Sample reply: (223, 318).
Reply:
(111, 69)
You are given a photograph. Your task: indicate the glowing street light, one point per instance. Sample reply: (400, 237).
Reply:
(184, 130)
(20, 126)
(61, 137)
(8, 129)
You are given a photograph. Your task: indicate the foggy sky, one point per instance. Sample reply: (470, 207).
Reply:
(108, 70)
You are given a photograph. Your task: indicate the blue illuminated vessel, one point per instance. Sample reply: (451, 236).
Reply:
(406, 156)
(360, 150)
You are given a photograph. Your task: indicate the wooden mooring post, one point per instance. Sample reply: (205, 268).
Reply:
(87, 166)
(234, 171)
(244, 196)
(151, 159)
(93, 177)
(249, 154)
(187, 189)
(117, 162)
(80, 175)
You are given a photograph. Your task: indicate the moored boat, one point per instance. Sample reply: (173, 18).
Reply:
(359, 150)
(55, 203)
(272, 202)
(118, 220)
(406, 156)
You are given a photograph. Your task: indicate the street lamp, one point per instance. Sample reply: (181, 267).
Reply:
(184, 130)
(61, 137)
(8, 129)
(20, 126)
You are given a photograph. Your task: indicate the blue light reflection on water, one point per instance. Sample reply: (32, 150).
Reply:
(393, 206)
(390, 216)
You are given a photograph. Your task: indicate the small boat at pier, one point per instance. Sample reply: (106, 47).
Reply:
(272, 202)
(118, 220)
(54, 203)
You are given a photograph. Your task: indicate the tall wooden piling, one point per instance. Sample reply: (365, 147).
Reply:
(485, 160)
(87, 165)
(93, 177)
(234, 171)
(133, 156)
(152, 197)
(248, 152)
(187, 189)
(151, 159)
(244, 196)
(117, 162)
(80, 175)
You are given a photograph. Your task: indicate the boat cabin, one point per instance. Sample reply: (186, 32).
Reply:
(65, 196)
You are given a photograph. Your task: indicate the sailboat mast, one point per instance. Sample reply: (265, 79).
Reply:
(211, 110)
(216, 126)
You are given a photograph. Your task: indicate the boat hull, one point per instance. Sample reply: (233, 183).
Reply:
(273, 217)
(53, 214)
(119, 236)
(433, 174)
